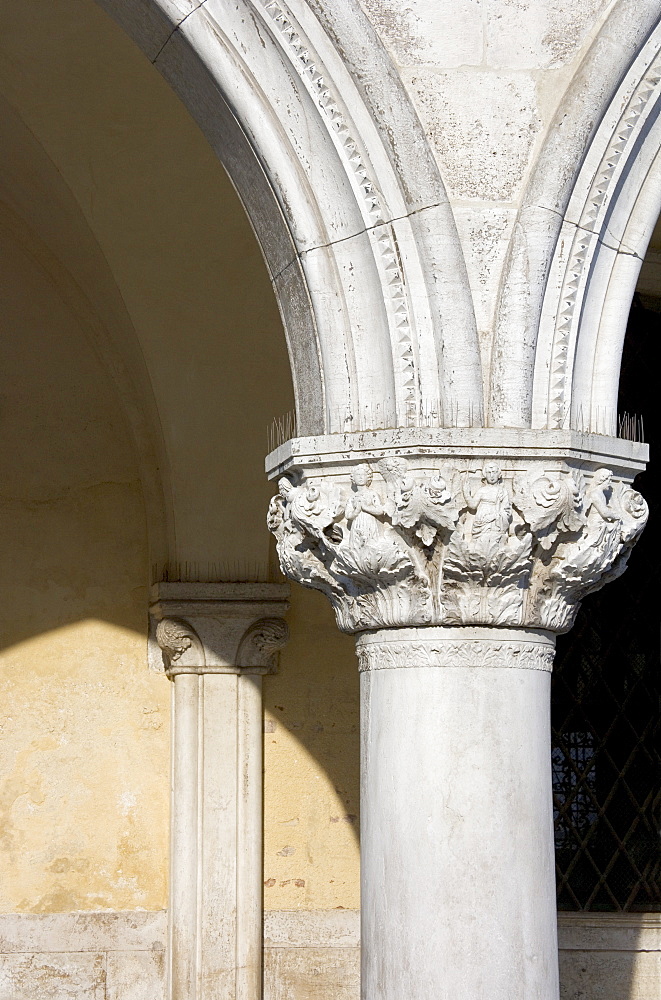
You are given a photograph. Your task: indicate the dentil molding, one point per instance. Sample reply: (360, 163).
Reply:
(436, 537)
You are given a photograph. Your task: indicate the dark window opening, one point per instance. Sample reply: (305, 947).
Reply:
(606, 700)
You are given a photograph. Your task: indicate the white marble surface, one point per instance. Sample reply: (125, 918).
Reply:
(215, 642)
(457, 885)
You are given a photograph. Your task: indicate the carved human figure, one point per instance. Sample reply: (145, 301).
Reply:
(490, 504)
(363, 506)
(394, 557)
(601, 499)
(437, 490)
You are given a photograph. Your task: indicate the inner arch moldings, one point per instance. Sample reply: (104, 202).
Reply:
(354, 223)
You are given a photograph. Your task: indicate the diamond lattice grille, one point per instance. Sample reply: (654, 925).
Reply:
(606, 708)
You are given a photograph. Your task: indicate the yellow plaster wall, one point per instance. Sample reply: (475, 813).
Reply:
(311, 755)
(182, 252)
(84, 730)
(156, 246)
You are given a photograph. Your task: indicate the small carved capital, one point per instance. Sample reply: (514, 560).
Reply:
(463, 542)
(217, 627)
(179, 644)
(262, 643)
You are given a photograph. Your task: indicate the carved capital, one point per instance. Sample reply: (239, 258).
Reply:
(217, 627)
(456, 539)
(262, 642)
(179, 644)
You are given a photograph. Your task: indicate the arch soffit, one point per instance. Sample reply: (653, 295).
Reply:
(582, 191)
(345, 199)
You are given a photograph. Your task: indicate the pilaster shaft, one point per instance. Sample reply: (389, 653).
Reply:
(215, 641)
(455, 564)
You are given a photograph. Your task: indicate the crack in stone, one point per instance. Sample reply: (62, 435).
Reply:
(176, 29)
(353, 236)
(591, 232)
(274, 277)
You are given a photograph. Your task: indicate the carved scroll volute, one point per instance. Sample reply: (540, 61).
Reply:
(261, 643)
(179, 643)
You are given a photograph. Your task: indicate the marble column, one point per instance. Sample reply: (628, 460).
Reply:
(457, 820)
(455, 565)
(215, 641)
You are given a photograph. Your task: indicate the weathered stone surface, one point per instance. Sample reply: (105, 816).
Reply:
(135, 975)
(83, 956)
(78, 932)
(485, 234)
(586, 975)
(309, 955)
(312, 929)
(441, 32)
(482, 126)
(311, 974)
(55, 976)
(609, 956)
(621, 932)
(312, 955)
(548, 34)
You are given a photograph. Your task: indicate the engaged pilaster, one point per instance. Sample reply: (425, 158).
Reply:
(456, 564)
(215, 642)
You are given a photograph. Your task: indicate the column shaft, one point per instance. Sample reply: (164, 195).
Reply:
(216, 916)
(184, 835)
(456, 569)
(249, 916)
(458, 891)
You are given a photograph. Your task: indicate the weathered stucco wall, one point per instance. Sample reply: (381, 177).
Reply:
(311, 755)
(145, 259)
(84, 737)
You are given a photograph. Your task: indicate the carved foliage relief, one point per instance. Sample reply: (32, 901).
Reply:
(456, 547)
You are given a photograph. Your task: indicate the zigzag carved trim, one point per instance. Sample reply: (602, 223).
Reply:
(312, 73)
(587, 234)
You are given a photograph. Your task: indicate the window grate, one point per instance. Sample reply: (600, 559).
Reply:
(606, 705)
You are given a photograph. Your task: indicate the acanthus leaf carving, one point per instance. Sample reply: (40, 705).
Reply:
(262, 642)
(456, 547)
(179, 643)
(612, 521)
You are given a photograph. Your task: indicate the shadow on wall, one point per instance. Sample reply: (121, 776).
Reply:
(312, 764)
(609, 957)
(84, 783)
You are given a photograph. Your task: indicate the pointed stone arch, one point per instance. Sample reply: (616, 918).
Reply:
(578, 212)
(351, 215)
(613, 207)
